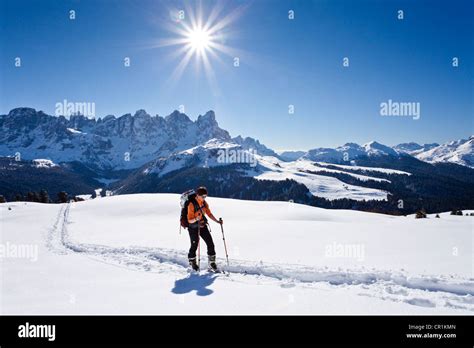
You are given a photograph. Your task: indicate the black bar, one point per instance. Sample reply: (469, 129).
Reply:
(172, 330)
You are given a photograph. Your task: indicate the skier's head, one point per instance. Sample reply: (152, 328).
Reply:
(202, 192)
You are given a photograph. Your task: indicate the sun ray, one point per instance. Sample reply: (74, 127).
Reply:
(229, 51)
(178, 71)
(191, 15)
(215, 56)
(209, 72)
(201, 40)
(170, 42)
(216, 10)
(227, 20)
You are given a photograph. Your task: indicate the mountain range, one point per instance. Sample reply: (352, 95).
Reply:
(144, 153)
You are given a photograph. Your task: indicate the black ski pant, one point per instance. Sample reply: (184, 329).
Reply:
(194, 236)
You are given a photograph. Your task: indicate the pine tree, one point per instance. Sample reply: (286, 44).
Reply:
(44, 197)
(62, 197)
(2, 199)
(30, 197)
(36, 197)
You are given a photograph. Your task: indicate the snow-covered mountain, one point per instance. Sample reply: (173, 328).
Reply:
(318, 177)
(339, 154)
(129, 141)
(459, 152)
(203, 155)
(253, 144)
(290, 155)
(349, 152)
(109, 143)
(413, 148)
(143, 153)
(374, 148)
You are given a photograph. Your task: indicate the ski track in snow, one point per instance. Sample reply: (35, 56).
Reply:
(425, 291)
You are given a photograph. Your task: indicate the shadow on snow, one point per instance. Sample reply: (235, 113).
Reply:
(194, 282)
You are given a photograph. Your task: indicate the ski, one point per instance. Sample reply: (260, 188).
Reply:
(217, 271)
(213, 270)
(209, 270)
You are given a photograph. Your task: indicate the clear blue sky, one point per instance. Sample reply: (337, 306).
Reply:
(282, 62)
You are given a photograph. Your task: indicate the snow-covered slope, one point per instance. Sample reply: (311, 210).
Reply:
(313, 175)
(43, 163)
(349, 152)
(203, 155)
(413, 148)
(309, 173)
(342, 153)
(291, 155)
(348, 169)
(458, 152)
(374, 148)
(125, 255)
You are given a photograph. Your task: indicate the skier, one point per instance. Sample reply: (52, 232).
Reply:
(198, 228)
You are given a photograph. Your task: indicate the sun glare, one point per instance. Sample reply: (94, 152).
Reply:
(199, 39)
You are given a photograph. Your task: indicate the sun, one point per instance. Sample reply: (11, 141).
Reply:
(199, 39)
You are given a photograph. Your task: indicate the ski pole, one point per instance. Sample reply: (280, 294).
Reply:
(199, 246)
(225, 245)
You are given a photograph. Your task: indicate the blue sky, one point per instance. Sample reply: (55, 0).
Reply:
(282, 62)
